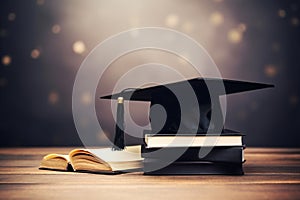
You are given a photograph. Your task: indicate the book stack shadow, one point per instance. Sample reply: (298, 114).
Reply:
(184, 154)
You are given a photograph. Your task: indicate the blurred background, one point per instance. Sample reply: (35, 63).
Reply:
(43, 43)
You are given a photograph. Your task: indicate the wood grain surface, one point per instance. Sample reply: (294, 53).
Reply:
(270, 173)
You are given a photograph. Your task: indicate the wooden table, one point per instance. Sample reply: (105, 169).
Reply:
(270, 174)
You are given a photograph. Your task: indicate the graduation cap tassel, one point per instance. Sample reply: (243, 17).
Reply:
(119, 142)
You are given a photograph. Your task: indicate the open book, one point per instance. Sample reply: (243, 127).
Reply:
(103, 160)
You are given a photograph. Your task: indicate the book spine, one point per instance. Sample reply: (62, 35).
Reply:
(217, 154)
(180, 168)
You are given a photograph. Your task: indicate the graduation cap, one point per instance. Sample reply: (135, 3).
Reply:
(187, 105)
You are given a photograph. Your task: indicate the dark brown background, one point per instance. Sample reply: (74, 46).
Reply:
(249, 40)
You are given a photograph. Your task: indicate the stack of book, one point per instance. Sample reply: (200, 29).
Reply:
(184, 154)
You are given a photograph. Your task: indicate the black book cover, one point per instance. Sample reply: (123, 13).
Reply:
(195, 168)
(224, 132)
(217, 154)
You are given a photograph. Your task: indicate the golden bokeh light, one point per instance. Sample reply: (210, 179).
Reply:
(234, 36)
(53, 97)
(188, 27)
(295, 21)
(56, 29)
(79, 47)
(35, 53)
(281, 13)
(172, 20)
(216, 18)
(6, 60)
(86, 98)
(11, 16)
(271, 70)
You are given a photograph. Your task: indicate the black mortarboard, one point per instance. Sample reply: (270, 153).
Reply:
(182, 113)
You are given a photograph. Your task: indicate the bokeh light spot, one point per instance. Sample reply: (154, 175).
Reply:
(216, 18)
(281, 13)
(242, 27)
(53, 97)
(188, 27)
(6, 60)
(11, 16)
(35, 54)
(271, 70)
(40, 2)
(234, 36)
(56, 29)
(86, 98)
(295, 21)
(172, 20)
(79, 47)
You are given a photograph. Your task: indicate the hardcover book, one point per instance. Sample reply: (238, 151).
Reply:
(103, 160)
(195, 168)
(226, 138)
(217, 154)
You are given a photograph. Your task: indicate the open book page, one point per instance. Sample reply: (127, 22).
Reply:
(106, 160)
(56, 162)
(129, 154)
